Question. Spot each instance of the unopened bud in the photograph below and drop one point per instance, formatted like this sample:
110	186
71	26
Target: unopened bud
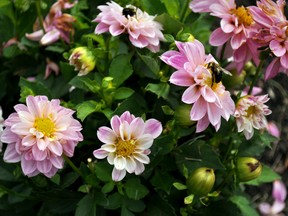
83	60
201	181
247	168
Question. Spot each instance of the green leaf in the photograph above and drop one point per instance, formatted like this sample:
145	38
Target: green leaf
32	88
21	192
244	205
85	83
68	179
86	108
120	69
135	190
197	153
179	186
4	3
56	49
56	179
103	171
86	206
153	7
123	93
135	205
108	187
267	175
162	180
170	25
172	7
161	89
22	5
151	63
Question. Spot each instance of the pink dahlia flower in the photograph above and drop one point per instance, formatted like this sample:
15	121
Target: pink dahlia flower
236	26
142	29
279	194
56	25
209	98
38	134
1	127
127	144
250	113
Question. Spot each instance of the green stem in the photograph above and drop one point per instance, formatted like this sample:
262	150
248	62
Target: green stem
38	9
256	76
72	165
184	11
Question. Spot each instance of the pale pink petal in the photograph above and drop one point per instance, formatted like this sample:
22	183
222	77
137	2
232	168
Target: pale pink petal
202	124
125	131
28	166
106	135
264	208
214	114
38	155
208	94
100	154
137	127
116	29
42	144
51	173
144	142
139	168
120	162
115	124
272	69
57	162
277	207
276	47
181	78
35	36
198	6
50	37
68	148
195	52
284	61
127	116
32	106
55	148
279	191
199	109
218	37
110	158
174	59
101	28
8	136
118	175
141	158
227	26
21	128
28	140
237	40
131	165
109	147
26	117
153	127
191	94
44	166
11	155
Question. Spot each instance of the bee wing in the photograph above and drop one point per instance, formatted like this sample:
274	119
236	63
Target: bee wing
226	71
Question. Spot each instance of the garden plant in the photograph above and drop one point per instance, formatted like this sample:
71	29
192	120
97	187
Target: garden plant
140	107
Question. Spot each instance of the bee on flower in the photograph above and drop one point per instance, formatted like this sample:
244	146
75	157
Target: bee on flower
143	30
202	75
39	134
127	144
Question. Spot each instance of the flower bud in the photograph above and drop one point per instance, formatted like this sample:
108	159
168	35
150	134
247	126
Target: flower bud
201	181
247	168
182	115
83	60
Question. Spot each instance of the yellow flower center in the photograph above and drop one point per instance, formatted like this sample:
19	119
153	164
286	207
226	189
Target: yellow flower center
243	15
45	126
125	147
251	110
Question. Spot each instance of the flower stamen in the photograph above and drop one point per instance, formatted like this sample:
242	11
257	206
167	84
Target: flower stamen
45	126
125	147
243	15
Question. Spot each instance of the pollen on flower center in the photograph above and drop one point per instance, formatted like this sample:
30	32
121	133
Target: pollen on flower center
243	15
125	147
250	111
45	126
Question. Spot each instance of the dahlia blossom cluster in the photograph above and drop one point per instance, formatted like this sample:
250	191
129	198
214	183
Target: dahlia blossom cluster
127	144
39	134
56	25
246	29
250	113
209	98
236	27
143	30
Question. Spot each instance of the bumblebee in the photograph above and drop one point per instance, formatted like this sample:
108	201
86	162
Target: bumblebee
217	72
128	11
